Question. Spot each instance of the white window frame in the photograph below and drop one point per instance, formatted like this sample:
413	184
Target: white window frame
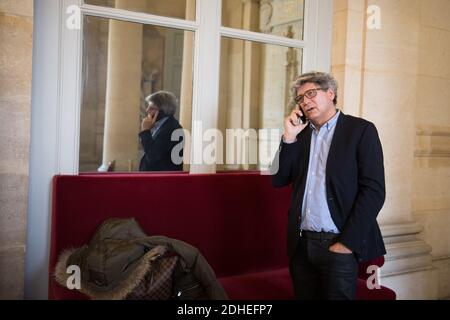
56	96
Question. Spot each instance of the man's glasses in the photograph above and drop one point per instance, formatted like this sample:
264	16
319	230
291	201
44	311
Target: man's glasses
311	93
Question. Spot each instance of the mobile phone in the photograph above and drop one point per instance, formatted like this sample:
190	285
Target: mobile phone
303	117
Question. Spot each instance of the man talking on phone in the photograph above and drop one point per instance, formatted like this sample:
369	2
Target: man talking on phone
156	134
335	163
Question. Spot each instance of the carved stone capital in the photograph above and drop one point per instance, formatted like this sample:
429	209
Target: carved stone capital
265	15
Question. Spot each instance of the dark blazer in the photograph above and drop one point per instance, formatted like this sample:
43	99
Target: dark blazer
355	188
158	151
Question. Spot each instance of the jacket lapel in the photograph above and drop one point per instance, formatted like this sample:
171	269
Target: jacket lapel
335	141
300	179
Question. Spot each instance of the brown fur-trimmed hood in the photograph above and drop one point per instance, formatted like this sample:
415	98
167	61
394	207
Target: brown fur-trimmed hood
119	256
123	288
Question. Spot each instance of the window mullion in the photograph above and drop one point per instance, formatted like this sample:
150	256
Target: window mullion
262	38
318	35
206	80
138	17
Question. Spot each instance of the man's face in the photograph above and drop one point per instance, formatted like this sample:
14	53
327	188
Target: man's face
151	109
318	107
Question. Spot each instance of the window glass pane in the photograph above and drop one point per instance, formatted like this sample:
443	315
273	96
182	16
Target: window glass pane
277	17
181	9
254	98
123	63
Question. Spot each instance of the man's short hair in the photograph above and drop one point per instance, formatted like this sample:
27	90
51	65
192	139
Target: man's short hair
164	101
322	79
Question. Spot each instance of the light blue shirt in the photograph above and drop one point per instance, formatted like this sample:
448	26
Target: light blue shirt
315	213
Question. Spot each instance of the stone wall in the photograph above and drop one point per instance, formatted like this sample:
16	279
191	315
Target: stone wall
397	76
16	36
431	170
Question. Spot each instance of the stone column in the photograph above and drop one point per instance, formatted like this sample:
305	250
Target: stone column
431	171
235	85
251	85
186	82
377	72
122	123
16	52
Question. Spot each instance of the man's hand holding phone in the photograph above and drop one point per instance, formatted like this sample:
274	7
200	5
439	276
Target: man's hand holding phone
149	121
293	125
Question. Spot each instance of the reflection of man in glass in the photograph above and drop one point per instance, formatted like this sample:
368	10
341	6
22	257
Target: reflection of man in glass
157	128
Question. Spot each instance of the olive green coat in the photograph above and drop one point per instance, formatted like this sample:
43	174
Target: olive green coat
120	254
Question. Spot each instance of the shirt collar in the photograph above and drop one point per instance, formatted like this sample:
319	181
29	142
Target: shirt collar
160	122
329	124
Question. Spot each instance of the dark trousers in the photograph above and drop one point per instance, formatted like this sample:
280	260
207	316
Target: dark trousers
318	273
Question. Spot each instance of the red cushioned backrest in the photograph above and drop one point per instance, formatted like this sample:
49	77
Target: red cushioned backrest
362	270
237	220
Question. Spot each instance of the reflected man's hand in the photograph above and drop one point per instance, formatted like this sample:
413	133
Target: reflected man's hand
148	122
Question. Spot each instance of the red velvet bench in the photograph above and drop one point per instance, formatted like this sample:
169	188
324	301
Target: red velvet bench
236	220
